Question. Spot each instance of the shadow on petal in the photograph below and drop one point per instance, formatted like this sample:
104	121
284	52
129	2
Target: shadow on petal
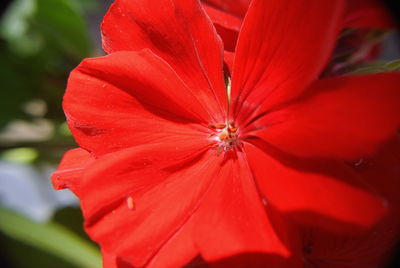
253	260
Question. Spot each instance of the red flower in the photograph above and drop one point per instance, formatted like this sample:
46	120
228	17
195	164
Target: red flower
227	16
172	167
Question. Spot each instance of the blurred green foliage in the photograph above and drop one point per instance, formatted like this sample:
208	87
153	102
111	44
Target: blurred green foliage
41	41
50	237
377	67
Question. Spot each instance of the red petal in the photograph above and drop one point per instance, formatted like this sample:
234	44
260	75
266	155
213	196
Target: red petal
368	14
282	48
227	26
232	220
71	168
369	250
132	98
346	118
373	248
324	194
176	30
137	201
181	245
234	7
384	164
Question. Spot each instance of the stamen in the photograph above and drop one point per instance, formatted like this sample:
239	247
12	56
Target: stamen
225	135
232	129
217	126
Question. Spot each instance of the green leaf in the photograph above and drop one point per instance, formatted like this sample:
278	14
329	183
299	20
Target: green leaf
393	65
20	155
89	5
62	22
15	21
15	28
376	67
50	237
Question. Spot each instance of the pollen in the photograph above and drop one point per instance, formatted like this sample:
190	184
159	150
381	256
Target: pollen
225	136
130	203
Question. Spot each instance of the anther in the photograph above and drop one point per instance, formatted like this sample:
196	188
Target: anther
225	135
232	129
220	126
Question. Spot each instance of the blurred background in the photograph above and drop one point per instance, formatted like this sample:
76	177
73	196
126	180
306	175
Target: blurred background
41	41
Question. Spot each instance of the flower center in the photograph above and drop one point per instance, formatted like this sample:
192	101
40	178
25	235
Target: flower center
225	135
